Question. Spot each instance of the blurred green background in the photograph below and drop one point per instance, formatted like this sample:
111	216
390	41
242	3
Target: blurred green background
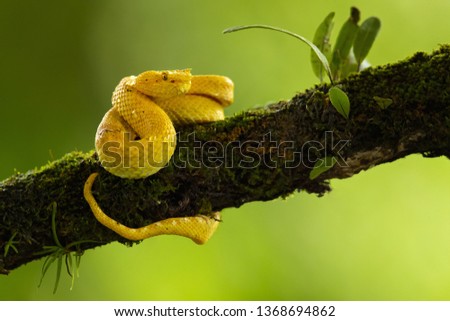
381	235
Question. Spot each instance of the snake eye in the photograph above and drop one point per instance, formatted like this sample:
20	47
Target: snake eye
165	76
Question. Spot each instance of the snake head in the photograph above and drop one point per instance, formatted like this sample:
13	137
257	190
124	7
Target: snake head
163	84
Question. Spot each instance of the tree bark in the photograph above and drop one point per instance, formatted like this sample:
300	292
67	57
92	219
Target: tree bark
258	155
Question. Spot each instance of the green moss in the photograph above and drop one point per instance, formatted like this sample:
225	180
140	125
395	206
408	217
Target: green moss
420	110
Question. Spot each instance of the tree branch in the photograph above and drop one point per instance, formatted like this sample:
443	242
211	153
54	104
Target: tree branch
260	154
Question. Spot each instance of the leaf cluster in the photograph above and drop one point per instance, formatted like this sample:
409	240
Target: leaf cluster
352	45
58	252
348	55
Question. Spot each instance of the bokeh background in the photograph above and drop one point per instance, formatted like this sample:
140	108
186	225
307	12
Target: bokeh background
381	235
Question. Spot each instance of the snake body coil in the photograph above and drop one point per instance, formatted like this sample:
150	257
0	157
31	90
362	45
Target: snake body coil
136	138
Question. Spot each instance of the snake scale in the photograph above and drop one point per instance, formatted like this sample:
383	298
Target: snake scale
146	109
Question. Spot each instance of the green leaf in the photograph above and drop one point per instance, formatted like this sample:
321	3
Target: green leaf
382	102
322	41
340	101
316	50
58	274
54	233
10	245
349	66
364	39
47	263
344	43
321	166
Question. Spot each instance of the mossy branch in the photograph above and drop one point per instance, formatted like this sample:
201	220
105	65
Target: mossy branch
258	155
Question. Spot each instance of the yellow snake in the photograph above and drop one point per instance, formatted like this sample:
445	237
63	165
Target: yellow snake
136	138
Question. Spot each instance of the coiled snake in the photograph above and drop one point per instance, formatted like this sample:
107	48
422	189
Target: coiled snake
146	109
